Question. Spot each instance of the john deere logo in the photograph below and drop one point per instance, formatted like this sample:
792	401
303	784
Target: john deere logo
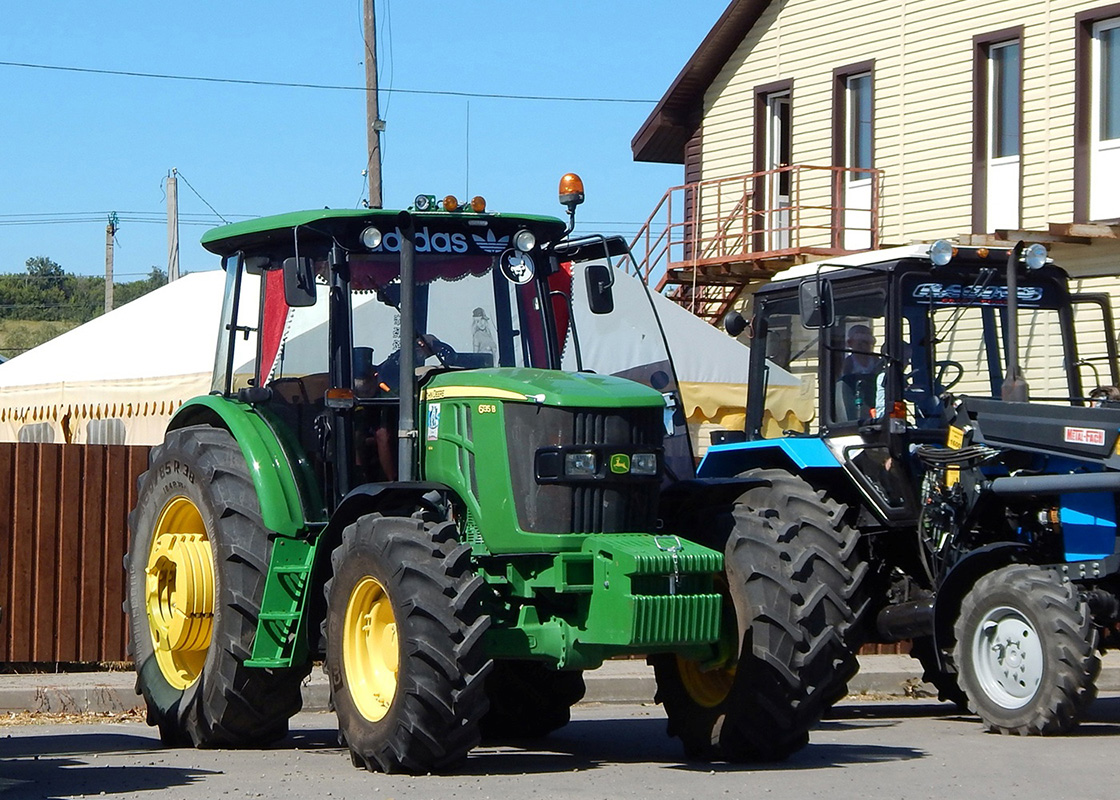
620	463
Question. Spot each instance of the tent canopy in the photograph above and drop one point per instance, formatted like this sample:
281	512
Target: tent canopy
120	377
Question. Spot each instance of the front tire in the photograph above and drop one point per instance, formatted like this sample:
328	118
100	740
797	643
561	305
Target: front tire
196	569
1026	651
404	645
795	602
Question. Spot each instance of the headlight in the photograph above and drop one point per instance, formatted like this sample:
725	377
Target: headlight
941	252
524	240
371	238
1035	256
580	464
643	464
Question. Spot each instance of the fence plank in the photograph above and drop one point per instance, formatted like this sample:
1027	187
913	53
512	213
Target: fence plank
69	555
7	496
24	532
45	558
116	534
93	554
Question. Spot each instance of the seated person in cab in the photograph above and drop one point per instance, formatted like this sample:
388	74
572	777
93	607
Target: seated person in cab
860	393
375	421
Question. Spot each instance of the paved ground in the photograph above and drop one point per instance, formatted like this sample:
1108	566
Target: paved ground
900	749
614	682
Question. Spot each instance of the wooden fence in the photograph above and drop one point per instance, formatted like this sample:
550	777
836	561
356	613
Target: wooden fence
63	535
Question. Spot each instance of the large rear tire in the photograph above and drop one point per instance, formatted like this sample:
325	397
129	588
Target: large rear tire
405	656
1027	651
795	605
196	569
529	700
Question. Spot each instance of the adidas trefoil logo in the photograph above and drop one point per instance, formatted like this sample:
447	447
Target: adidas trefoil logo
491	243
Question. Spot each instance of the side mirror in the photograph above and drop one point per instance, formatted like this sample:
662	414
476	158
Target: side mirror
734	323
299	282
814	300
599	295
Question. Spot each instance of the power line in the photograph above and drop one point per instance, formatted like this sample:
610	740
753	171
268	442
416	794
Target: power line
200	197
324	86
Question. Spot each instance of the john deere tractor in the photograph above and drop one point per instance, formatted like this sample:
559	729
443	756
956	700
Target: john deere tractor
937	409
419	463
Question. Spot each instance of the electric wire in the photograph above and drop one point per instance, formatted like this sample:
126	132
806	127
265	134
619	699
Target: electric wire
326	86
200	197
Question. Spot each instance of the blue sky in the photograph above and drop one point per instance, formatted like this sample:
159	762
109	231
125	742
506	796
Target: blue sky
83	145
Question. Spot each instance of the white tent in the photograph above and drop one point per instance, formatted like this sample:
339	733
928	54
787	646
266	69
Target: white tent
712	371
119	378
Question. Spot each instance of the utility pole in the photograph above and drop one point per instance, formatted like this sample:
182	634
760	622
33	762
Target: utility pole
172	226
374	123
110	232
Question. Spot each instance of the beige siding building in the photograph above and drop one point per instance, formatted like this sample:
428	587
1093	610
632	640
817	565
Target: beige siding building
813	127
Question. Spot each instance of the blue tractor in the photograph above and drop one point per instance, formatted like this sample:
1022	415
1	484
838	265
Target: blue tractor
955	434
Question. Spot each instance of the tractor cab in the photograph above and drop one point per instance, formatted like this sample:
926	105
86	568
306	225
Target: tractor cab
884	341
327	310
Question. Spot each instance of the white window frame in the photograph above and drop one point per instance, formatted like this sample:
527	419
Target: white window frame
857	186
1104	158
1004	173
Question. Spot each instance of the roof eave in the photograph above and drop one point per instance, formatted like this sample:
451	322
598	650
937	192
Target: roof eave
666	131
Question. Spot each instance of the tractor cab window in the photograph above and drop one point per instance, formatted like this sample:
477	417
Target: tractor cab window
790	370
857	359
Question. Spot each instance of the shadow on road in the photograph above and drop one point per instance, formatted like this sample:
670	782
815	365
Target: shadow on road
590	744
57	765
70	777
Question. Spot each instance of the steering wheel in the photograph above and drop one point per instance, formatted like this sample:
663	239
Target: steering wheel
943	367
388	372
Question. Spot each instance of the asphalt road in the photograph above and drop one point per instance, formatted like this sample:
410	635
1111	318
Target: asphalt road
903	749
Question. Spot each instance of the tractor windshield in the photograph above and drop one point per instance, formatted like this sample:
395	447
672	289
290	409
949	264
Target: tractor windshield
468	314
955	338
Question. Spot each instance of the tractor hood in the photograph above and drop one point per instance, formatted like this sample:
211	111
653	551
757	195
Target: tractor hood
542	387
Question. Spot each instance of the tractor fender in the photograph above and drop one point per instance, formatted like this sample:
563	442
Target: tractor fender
959	581
392	499
798	455
269	465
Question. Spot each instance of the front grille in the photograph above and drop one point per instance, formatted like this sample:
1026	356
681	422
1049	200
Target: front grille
612	504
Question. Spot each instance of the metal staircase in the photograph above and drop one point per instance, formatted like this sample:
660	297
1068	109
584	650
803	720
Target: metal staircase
706	243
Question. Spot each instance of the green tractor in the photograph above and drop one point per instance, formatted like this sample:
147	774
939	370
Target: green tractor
408	469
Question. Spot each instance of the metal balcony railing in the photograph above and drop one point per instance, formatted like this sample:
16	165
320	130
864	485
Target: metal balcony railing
706	241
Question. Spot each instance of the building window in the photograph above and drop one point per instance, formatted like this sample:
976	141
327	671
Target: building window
859	121
1096	154
998	131
1003	98
853	148
773	157
1104	199
1108	88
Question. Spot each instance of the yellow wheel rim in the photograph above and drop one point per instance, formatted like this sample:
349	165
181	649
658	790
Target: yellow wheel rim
179	587
370	653
707	687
